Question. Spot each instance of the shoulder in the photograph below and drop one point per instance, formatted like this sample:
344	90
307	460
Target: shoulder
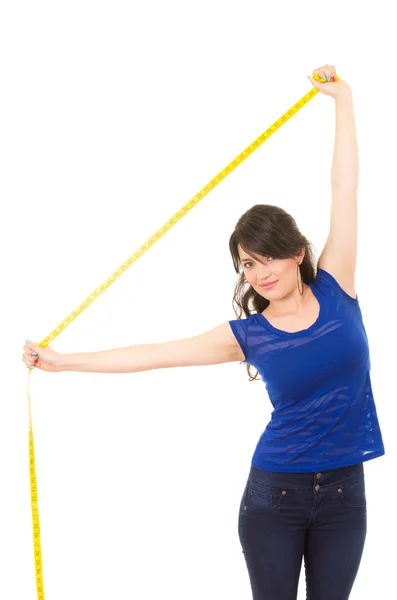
245	326
341	272
241	325
331	279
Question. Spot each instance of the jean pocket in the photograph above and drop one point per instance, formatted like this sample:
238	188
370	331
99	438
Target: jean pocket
353	494
262	497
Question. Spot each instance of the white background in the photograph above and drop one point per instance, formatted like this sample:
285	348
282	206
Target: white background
113	115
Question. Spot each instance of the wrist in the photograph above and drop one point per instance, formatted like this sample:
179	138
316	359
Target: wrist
64	362
345	95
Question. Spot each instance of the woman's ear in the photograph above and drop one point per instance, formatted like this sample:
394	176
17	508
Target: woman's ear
301	255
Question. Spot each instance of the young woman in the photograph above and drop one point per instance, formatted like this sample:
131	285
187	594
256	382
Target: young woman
303	331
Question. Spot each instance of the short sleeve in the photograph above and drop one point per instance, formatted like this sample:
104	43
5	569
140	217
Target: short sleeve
239	328
330	281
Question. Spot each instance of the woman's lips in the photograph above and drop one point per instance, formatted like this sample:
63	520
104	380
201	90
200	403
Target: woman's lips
269	285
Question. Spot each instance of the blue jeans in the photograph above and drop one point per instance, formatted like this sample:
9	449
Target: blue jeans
321	517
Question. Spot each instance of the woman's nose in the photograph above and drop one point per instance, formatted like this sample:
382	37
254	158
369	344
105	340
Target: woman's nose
263	278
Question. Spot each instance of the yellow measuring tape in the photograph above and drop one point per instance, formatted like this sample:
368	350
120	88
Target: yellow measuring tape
119	271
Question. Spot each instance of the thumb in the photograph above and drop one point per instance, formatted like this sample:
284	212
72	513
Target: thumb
33	346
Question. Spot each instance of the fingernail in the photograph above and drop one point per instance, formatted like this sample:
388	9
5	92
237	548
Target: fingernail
34	354
28	341
31	367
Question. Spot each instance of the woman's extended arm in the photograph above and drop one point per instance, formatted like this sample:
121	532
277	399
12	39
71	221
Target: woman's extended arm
218	345
344	172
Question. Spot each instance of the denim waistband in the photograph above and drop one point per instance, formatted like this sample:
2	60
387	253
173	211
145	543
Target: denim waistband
304	481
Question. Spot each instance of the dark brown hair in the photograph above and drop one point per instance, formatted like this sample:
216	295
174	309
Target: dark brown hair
266	230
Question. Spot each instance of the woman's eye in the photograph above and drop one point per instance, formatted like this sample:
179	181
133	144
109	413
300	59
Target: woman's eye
247	265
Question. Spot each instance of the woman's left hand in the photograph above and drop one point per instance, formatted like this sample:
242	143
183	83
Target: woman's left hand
330	87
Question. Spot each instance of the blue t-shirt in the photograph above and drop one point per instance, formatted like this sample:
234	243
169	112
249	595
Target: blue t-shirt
318	381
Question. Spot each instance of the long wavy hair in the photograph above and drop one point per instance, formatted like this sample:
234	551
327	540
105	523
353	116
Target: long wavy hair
266	230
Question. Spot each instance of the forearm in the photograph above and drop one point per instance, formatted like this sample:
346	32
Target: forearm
129	359
344	173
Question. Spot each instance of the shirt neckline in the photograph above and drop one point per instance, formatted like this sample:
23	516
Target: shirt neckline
302	332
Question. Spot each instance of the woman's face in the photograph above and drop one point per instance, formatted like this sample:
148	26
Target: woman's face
265	269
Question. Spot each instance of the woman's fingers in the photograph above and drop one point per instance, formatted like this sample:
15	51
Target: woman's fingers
28	359
44	359
326	72
28	356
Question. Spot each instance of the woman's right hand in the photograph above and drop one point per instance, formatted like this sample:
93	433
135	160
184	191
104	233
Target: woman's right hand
47	360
